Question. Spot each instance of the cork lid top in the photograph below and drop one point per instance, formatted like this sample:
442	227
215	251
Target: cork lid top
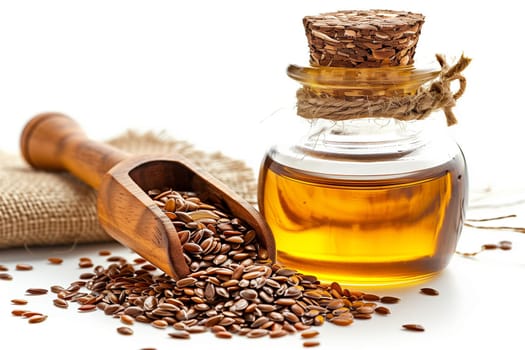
371	38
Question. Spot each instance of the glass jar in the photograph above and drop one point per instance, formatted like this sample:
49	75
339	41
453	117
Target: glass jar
372	200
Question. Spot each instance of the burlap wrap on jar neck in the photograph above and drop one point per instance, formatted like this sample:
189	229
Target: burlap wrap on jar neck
39	208
427	99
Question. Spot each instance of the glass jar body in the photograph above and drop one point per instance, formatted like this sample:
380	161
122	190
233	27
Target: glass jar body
372	201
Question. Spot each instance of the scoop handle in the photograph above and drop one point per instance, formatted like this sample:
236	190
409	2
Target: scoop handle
54	141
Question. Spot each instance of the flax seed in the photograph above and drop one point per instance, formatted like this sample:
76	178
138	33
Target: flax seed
311	344
24	267
382	310
125	330
18	312
37	318
389	300
414	327
60	303
429	291
55	260
36	291
309	334
180	335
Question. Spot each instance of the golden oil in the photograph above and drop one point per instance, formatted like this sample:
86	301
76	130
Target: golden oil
365	230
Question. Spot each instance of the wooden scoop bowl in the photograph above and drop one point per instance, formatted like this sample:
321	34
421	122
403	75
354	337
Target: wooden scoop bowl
55	142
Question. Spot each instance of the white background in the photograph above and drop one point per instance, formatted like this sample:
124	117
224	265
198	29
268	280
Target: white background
213	73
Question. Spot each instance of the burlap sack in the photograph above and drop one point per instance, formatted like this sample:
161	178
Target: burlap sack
40	208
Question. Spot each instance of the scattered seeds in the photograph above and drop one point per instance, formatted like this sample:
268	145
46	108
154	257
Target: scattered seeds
233	287
414	327
139	260
36	291
125	330
24	267
87	307
159	324
61	303
84	264
180	335
382	310
18	312
310	334
389	300
311	344
371	297
19	301
29	314
37	318
429	291
5	276
55	260
127	319
277	333
223	335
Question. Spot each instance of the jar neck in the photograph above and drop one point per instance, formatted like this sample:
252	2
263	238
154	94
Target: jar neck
365	137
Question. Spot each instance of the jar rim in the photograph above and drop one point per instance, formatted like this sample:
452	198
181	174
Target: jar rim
409	77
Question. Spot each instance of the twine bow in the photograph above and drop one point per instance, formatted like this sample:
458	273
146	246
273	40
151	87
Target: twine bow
437	95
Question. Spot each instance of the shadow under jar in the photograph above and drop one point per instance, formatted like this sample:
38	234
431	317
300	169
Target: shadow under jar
372	200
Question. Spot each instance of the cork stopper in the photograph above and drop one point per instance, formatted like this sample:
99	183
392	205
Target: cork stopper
363	39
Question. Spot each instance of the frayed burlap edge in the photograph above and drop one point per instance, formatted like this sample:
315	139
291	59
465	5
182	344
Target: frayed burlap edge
39	208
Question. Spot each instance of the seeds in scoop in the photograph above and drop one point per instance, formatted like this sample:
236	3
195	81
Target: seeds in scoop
186	282
18	301
429	291
414	327
24	267
125	330
149	267
55	260
139	261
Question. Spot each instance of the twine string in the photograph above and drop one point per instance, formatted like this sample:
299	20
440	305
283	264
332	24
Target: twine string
438	95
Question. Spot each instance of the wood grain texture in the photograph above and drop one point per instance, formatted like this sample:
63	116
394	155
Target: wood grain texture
55	142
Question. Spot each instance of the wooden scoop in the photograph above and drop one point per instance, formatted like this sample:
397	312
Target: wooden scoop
53	141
